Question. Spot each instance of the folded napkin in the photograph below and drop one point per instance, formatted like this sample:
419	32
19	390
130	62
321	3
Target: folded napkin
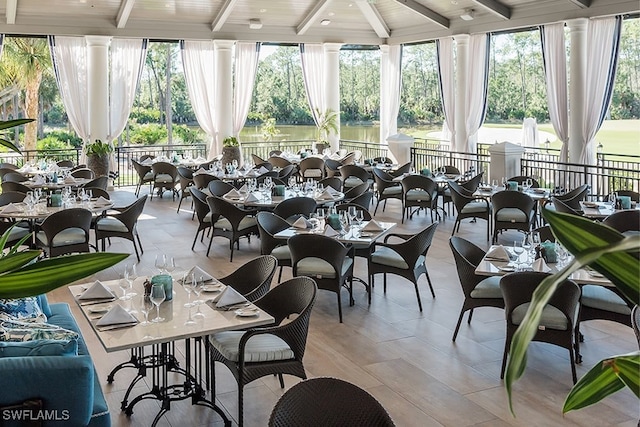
38	179
262	170
147	162
252	173
540	265
332	191
200	159
117	316
199	171
243	189
103	201
373	225
198	272
69	179
301	223
232	194
329	231
499	253
96	291
230	297
326	195
11	208
251	198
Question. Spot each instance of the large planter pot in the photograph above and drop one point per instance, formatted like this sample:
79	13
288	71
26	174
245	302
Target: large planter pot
99	164
229	154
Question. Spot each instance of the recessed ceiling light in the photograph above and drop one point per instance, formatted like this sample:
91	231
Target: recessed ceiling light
468	15
325	22
331	13
263	10
255	24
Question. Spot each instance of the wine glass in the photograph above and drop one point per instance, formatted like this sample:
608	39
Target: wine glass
517	250
352	212
561	251
196	287
157	297
359	217
612	200
123	283
528	184
494	184
145	307
186	284
527	246
161	263
170	265
132	273
503	181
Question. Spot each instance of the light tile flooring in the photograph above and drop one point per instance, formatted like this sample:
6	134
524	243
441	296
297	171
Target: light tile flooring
403	357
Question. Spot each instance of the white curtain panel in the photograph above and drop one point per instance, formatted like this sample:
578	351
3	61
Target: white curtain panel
1	44
446	77
390	84
476	90
247	55
312	57
199	72
554	56
603	38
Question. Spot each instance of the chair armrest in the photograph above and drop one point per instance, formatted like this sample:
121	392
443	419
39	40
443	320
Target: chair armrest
399	235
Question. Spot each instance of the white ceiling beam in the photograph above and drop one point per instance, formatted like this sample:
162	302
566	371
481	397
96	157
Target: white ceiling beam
583	4
311	17
372	16
123	13
12	9
426	12
498	9
222	17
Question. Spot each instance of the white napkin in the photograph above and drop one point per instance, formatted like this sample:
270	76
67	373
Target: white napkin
540	265
326	195
199	171
147	162
198	272
38	179
117	316
200	159
301	223
96	291
251	198
11	208
262	170
69	179
232	194
243	189
373	225
103	201
329	231
332	191
230	297
499	253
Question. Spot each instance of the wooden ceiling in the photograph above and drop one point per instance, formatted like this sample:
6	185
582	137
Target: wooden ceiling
349	21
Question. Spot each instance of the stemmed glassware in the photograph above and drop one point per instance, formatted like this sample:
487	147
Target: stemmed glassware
157	297
196	287
145	307
352	212
186	284
123	283
517	250
527	246
161	263
528	184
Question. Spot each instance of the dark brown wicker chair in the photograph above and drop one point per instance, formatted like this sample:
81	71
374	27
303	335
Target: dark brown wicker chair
20	229
574	197
295	207
353	176
65	164
326	260
10	166
14	186
291	300
185	177
268	225
278	162
333	182
203	214
266	165
623	221
234	222
14	177
385	188
253	278
145	175
202	180
418	192
382	160
96	192
257	159
401	170
331	168
122	224
559	320
165	178
468	206
99	182
312	167
285	173
324	401
65	232
219	188
479	291
363	199
406	258
635	196
560	206
6	170
512	210
522	179
348	159
84	173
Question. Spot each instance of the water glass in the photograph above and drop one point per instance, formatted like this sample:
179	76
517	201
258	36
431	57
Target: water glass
517	250
157	297
196	287
145	308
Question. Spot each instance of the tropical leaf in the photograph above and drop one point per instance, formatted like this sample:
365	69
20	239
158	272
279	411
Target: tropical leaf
8	125
14	261
604	379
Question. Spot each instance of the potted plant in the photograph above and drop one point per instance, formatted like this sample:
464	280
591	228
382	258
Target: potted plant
98	153
230	150
327	124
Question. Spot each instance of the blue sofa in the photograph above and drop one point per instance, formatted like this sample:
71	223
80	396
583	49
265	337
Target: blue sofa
67	385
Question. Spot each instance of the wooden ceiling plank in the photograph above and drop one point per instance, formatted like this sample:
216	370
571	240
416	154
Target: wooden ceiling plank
374	18
311	17
583	4
497	8
426	12
222	17
12	9
123	13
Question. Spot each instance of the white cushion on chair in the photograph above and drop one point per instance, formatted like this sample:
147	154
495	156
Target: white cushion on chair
163	177
387	256
510	215
246	222
475	207
313	173
418	196
352	181
281	252
260	348
552	318
319	268
599	297
488	288
70	236
111	224
396	189
17	233
148	175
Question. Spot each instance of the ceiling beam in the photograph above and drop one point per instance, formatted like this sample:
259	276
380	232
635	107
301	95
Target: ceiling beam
12	8
311	17
497	8
373	17
222	17
583	4
426	12
124	12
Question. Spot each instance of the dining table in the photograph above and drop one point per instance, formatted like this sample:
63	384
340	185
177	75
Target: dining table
601	210
173	375
259	200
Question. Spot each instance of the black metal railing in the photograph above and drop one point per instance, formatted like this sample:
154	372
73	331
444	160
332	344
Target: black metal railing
466	163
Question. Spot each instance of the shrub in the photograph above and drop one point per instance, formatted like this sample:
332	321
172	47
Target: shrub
148	134
188	135
65	135
144	115
51	142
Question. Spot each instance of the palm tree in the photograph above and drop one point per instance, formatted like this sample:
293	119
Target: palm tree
25	61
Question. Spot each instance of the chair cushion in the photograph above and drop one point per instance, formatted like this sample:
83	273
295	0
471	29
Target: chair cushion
260	348
70	236
246	222
510	215
11	330
418	196
39	348
163	177
319	268
352	181
488	288
387	256
599	297
148	176
474	207
312	173
17	233
111	224
281	252
396	189
552	318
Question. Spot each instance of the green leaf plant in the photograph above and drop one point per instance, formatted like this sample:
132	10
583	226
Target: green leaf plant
610	253
4	125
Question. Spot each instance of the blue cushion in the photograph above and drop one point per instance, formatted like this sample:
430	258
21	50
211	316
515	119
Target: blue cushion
39	348
44	305
23	309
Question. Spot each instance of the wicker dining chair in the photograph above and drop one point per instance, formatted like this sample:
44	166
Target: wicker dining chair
468	206
253	278
145	175
293	208
14	176
99	182
268	225
201	180
14	186
312	167
512	210
123	224
386	188
84	173
624	221
353	175
64	232
165	178
219	188
203	214
185	177
234	222
278	162
418	192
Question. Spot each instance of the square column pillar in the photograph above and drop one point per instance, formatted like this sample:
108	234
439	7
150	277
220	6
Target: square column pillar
223	94
332	86
98	86
505	160
400	147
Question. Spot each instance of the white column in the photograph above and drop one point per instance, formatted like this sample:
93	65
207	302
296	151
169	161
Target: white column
98	86
224	93
462	68
577	81
332	86
384	91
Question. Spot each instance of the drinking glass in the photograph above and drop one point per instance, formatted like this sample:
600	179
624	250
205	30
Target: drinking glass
161	263
529	183
352	212
612	200
123	283
562	253
170	265
504	182
359	217
517	250
494	184
196	287
234	163
527	245
186	284
145	307
157	297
